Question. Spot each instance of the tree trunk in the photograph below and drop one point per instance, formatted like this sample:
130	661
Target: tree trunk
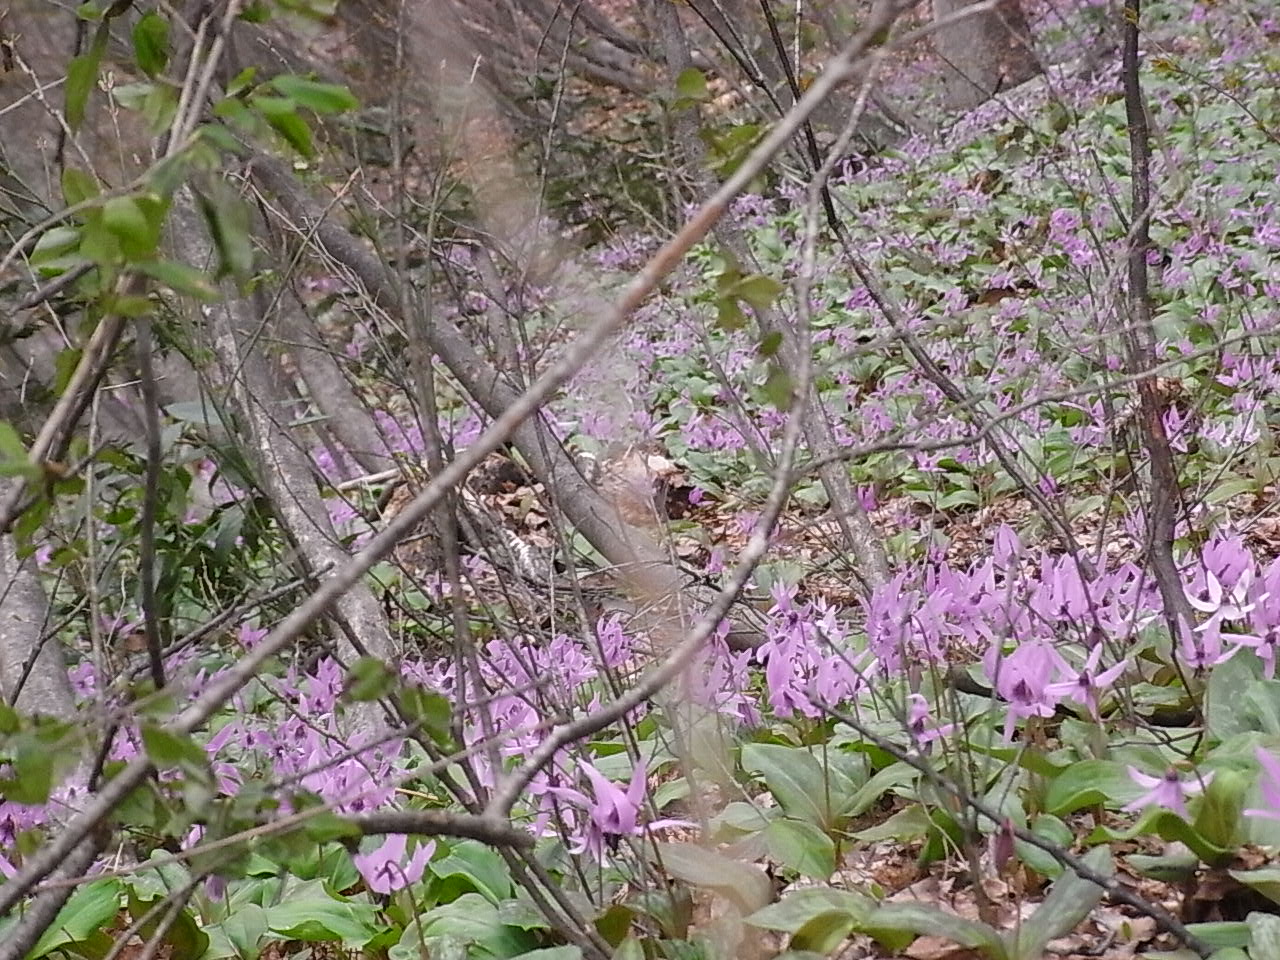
983	54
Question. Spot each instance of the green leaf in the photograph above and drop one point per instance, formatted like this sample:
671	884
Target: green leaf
1167	868
244	928
1168	826
88	911
82	78
177	751
907	824
282	114
32	780
151	43
241	81
432	711
1219	819
310	913
1265	880
769	344
320	97
1264	942
921	919
894	775
227	217
1239	700
472	920
744	883
180	278
795	779
368	679
1068	902
1222	934
758	290
1088	783
480	866
802	847
692	85
55	243
126	220
798	907
10	722
729	315
778	388
77	186
11	445
821	935
552	953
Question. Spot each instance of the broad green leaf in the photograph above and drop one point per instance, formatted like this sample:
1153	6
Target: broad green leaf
1168	826
88	911
77	186
744	883
241	81
11	445
228	220
1068	902
922	919
55	243
821	935
692	84
1239	700
910	823
432	711
1220	817
245	927
552	953
796	780
180	278
778	388
758	290
1264	942
1222	934
1051	828
82	78
125	219
1265	880
32	780
368	679
282	114
894	775
314	95
797	907
1167	868
151	43
802	847
525	915
310	913
167	749
1088	783
473	920
481	866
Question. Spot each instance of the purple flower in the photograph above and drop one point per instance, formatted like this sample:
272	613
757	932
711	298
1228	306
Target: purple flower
1083	687
385	869
1023	679
1270	786
1167	791
920	725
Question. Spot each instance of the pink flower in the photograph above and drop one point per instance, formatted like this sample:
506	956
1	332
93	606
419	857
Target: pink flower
1167	791
1270	785
1023	679
1084	686
385	870
922	727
